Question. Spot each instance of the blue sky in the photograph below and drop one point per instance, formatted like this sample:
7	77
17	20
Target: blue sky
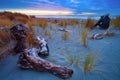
67	7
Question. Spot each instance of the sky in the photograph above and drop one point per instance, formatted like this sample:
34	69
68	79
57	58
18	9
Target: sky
62	7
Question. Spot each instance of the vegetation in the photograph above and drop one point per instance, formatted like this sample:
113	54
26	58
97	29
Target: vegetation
116	22
73	60
89	62
65	35
47	33
5	38
31	40
70	58
42	23
84	37
89	23
5	22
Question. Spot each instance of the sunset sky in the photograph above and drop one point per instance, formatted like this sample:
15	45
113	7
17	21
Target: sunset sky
62	7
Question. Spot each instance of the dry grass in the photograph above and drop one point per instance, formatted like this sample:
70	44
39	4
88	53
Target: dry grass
5	22
50	25
73	22
89	63
62	22
116	22
42	23
5	38
73	60
77	61
48	33
70	22
89	23
84	37
30	24
65	35
15	17
31	41
69	58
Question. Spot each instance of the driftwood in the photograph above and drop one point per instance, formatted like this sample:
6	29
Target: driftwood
29	58
19	32
27	61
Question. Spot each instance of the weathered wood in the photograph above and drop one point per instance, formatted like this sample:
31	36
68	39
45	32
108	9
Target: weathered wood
27	61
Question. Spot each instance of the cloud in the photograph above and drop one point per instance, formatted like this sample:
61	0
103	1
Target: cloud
74	1
40	12
87	13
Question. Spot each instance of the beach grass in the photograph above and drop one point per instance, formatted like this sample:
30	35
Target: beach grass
89	62
69	58
48	33
116	22
5	39
42	23
5	22
31	40
77	61
84	37
65	35
89	23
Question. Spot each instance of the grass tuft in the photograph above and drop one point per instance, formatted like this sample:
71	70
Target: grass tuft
47	33
5	38
65	35
89	63
42	23
70	58
116	22
84	37
89	23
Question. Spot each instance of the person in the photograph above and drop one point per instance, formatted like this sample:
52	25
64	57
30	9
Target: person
103	22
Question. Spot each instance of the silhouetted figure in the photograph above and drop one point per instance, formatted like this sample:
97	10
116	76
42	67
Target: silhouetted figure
103	22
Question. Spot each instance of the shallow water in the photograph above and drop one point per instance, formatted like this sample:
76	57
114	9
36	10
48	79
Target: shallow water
107	59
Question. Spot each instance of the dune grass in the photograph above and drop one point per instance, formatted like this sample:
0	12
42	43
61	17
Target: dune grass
48	33
89	23
73	22
77	61
84	37
73	60
116	22
62	22
65	35
89	62
5	22
5	38
31	40
69	58
50	25
42	23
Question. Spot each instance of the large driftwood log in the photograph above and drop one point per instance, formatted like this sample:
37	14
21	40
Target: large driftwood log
26	61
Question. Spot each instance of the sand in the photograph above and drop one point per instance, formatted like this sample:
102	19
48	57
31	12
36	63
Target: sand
107	65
